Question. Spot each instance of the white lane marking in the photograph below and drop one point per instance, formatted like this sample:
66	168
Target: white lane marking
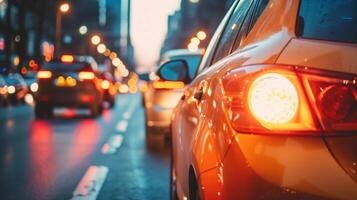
122	125
91	183
112	145
131	108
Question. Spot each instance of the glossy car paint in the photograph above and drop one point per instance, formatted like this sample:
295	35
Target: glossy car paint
231	165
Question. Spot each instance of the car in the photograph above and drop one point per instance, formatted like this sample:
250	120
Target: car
70	82
161	96
16	88
3	92
272	111
109	87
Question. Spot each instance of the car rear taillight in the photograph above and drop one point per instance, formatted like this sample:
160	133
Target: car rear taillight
86	76
44	74
67	58
168	84
268	99
290	100
334	99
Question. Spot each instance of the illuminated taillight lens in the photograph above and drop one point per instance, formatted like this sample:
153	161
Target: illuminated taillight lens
67	58
86	76
290	100
268	99
168	84
334	98
272	98
44	74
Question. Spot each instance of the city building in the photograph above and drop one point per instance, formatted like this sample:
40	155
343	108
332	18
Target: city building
194	16
21	33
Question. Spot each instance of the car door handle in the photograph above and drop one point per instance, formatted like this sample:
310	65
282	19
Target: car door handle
199	94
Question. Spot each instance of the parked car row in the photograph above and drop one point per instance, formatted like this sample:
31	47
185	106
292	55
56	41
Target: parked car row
271	112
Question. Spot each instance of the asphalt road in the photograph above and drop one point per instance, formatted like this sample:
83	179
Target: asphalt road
75	157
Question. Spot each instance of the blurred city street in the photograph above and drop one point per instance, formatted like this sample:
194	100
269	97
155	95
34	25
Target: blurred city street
47	159
178	99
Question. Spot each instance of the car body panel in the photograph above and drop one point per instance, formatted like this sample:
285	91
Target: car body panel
344	150
314	53
233	165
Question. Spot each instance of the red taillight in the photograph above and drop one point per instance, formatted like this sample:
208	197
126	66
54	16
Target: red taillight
87	98
168	84
44	74
334	99
67	58
86	76
264	99
283	99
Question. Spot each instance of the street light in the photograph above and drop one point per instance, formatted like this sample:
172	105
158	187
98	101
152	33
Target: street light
83	30
95	39
63	9
101	48
201	35
195	41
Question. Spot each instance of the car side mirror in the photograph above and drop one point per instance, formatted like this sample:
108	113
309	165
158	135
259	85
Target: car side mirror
175	70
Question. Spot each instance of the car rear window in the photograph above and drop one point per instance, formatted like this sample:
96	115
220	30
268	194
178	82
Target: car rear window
66	67
331	20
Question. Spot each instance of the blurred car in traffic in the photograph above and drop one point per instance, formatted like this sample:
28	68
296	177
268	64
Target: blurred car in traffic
272	113
4	101
16	88
70	82
109	87
161	96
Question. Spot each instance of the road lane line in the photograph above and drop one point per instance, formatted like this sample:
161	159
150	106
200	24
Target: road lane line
131	108
112	145
122	125
91	183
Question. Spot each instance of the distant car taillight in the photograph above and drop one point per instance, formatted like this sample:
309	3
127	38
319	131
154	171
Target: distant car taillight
168	84
334	99
86	76
44	74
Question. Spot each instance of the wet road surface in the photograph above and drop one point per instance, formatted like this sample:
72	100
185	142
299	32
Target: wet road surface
74	156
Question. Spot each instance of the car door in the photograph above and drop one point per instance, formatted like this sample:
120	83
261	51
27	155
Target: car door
185	117
194	106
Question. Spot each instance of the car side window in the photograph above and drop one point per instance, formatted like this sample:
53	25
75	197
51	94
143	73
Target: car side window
207	57
233	27
254	15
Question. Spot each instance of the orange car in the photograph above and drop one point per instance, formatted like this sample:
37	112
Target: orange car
272	113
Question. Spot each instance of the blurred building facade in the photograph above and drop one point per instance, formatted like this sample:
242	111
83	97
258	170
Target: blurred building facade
194	16
107	18
27	30
22	25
